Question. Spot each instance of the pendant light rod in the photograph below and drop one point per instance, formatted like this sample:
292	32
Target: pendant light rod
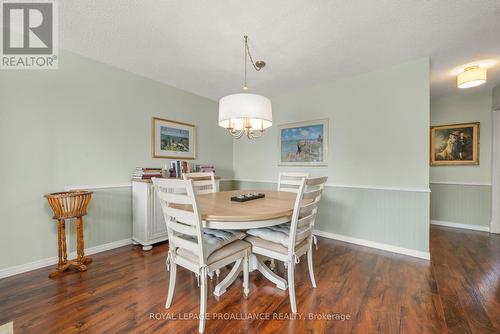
258	65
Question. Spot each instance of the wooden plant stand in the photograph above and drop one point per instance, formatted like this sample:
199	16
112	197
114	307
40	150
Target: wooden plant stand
68	205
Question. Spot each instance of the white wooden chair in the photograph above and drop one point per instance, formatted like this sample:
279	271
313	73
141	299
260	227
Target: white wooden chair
187	244
300	234
206	186
290	181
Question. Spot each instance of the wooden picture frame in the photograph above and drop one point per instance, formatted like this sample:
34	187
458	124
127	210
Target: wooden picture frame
454	144
303	143
173	140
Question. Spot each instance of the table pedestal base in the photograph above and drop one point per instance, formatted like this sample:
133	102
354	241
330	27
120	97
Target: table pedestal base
256	263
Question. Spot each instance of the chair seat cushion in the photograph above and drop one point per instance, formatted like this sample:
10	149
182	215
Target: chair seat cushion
273	246
222	253
215	239
280	233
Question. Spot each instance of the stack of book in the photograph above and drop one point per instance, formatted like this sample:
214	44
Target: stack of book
144	173
180	166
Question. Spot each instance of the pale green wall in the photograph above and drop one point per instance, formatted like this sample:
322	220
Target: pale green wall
465	107
86	123
378	129
469	200
379	125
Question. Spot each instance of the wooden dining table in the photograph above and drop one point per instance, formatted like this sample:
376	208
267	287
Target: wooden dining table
219	212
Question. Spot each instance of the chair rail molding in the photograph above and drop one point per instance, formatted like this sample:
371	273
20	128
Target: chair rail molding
462	183
358	186
97	186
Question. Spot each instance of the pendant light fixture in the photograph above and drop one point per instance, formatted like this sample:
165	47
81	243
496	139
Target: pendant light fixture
244	113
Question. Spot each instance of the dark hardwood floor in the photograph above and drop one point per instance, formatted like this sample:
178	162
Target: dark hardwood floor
124	291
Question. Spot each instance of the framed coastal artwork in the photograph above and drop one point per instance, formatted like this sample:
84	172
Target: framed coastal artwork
173	140
455	144
303	143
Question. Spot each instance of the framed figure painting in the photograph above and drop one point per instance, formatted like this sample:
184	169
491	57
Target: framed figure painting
303	143
455	144
173	140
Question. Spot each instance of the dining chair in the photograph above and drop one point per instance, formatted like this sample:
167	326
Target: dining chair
189	246
206	185
290	181
288	242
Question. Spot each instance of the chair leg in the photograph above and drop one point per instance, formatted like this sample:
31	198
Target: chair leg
203	301
171	284
291	286
310	265
211	275
246	290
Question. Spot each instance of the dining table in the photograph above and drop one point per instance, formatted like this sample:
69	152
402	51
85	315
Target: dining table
218	211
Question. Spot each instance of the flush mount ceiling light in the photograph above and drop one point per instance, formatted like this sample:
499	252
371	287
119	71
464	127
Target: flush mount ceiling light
472	76
244	113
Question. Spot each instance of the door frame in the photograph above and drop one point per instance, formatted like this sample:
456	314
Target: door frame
495	177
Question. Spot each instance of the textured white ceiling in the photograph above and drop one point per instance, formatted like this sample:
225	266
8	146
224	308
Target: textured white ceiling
196	45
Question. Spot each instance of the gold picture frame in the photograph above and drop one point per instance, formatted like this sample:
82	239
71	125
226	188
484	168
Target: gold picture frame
454	144
172	139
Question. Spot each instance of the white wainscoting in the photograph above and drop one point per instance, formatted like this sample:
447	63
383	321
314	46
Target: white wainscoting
53	260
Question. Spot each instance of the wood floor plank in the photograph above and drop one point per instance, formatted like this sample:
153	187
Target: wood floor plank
124	291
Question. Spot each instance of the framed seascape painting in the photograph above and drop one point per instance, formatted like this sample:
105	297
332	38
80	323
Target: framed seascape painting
304	143
455	144
173	140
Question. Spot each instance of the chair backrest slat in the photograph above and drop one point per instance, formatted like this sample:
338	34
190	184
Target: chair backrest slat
183	229
182	217
174	198
312	194
305	209
317	181
307	220
204	183
290	181
185	244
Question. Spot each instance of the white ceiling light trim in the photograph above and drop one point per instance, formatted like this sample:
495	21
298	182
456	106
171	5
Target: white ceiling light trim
472	76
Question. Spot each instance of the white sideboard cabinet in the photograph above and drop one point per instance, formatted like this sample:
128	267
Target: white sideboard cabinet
148	226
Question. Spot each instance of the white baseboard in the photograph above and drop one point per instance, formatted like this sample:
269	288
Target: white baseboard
22	268
373	244
459	225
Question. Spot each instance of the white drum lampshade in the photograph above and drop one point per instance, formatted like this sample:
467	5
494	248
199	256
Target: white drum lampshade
472	76
252	112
